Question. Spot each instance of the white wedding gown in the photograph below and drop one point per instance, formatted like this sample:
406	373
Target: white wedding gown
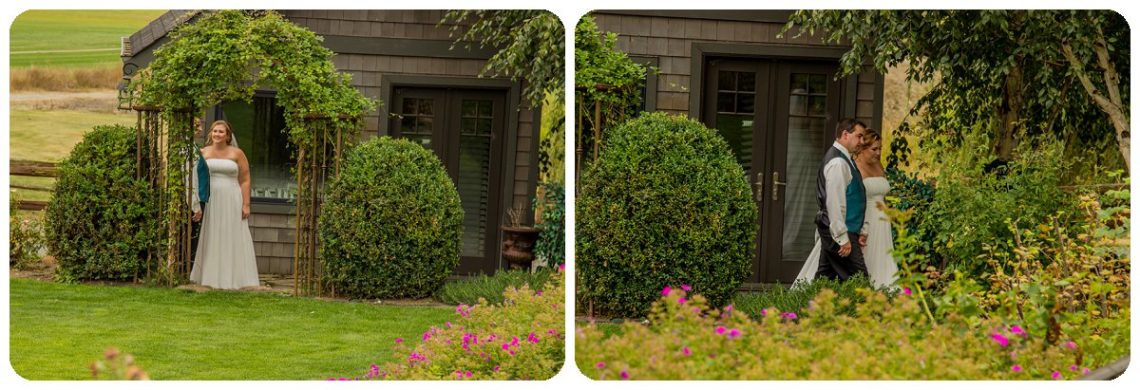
881	267
225	257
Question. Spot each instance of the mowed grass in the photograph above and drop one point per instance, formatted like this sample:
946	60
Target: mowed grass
57	330
54	37
50	135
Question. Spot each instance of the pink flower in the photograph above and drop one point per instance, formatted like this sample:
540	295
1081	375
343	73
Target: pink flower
467	374
665	291
427	336
1070	344
514	341
1056	375
721	330
600	365
728	309
734	333
906	291
681	300
1017	330
686	287
624	374
763	312
789	315
496	368
448	323
506	347
561	267
1085	371
399	340
1073	367
1000	339
532	338
685	351
1015	368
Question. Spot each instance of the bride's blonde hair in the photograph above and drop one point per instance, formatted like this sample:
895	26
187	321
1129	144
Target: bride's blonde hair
229	132
869	137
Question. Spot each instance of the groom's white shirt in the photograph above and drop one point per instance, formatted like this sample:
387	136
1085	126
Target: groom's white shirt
838	175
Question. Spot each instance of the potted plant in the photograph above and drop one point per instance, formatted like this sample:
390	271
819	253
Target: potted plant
518	240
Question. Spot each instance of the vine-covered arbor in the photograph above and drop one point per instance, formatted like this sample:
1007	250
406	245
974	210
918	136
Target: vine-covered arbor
228	55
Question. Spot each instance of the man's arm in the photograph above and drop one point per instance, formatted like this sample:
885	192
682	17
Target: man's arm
837	175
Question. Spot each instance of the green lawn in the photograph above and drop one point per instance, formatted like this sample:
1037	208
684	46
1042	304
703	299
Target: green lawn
57	330
55	37
50	135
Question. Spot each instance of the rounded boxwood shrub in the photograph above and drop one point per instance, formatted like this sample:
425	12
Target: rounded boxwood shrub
390	223
666	204
100	219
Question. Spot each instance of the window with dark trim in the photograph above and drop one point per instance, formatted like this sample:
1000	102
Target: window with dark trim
259	127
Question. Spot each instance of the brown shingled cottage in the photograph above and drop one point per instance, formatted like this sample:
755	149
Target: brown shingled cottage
774	99
406	60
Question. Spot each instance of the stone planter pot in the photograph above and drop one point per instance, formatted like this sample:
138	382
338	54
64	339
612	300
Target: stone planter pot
518	246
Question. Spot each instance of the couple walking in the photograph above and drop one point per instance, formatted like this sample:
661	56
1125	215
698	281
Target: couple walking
853	236
224	257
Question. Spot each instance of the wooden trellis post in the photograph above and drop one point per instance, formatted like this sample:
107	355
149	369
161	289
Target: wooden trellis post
164	151
313	166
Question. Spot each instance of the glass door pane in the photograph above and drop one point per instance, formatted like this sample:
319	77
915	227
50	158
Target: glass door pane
474	178
806	144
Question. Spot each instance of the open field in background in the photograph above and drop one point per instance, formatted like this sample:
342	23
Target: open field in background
91	77
57	330
73	38
50	135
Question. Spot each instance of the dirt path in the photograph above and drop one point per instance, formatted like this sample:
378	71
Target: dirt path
97	100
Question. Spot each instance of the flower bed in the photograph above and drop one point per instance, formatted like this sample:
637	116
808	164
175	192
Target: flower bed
885	339
521	338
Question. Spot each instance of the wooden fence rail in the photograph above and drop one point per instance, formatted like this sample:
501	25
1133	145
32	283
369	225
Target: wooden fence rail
32	169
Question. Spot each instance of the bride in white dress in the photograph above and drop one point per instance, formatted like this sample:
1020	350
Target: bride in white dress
881	267
225	257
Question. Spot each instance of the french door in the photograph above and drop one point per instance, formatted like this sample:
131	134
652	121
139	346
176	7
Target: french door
778	117
465	129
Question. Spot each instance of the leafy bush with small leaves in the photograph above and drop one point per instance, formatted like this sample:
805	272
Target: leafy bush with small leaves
971	207
490	288
25	235
551	244
887	338
391	222
666	203
521	338
100	219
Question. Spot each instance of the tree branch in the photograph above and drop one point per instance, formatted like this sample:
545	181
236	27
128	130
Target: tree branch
1079	69
1111	78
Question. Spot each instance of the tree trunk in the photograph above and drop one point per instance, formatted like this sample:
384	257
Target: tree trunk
1010	113
1112	104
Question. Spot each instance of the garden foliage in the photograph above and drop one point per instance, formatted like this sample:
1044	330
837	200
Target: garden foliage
100	219
551	244
685	339
521	338
25	236
665	203
796	299
390	223
490	287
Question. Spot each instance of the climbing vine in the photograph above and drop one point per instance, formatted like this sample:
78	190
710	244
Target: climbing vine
228	55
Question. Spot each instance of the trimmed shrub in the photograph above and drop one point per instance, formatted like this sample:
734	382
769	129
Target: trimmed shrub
391	222
666	203
100	219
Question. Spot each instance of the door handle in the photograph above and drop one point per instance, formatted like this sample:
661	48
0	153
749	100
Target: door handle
776	183
760	187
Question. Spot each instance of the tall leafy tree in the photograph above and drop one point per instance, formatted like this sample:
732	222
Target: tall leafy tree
1064	73
531	46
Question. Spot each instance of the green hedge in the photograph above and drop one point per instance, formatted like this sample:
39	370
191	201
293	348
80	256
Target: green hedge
665	204
391	222
100	219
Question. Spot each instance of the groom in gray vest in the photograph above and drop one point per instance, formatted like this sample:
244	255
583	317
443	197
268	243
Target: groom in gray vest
842	204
